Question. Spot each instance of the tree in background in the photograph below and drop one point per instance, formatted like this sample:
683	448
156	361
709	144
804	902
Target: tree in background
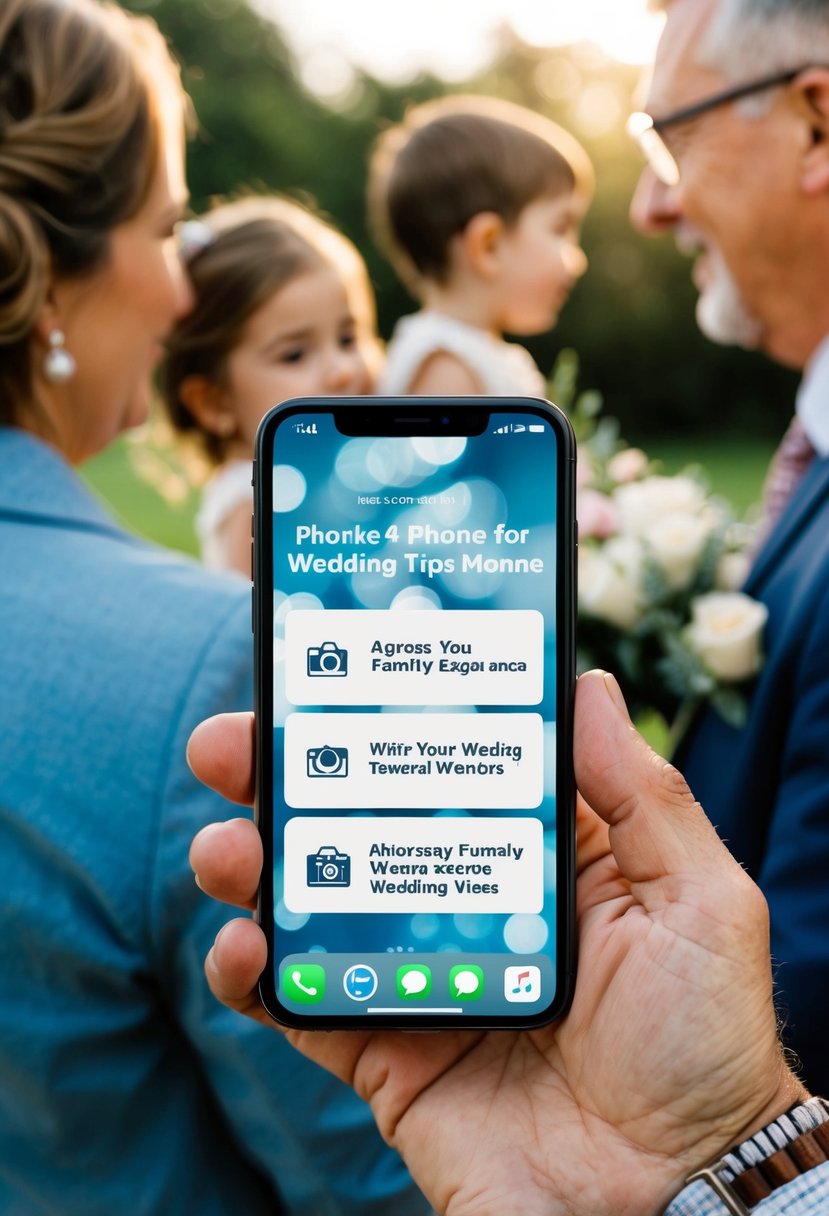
631	318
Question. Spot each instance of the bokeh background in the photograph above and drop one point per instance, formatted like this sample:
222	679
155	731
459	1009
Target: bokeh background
289	96
478	477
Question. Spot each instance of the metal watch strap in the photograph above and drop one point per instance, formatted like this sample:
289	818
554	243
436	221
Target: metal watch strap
782	1151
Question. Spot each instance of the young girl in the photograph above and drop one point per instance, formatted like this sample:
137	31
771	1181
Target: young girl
479	205
283	308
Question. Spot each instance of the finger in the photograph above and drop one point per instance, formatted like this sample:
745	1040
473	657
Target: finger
221	754
227	861
656	827
592	836
233	966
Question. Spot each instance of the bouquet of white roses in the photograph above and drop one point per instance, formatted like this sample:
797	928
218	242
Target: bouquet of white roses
660	563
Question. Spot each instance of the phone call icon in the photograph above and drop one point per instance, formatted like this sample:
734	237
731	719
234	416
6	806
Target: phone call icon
304	983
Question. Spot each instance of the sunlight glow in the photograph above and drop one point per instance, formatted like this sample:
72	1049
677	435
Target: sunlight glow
452	40
623	29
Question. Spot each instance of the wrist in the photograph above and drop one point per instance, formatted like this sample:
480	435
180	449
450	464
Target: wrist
790	1091
770	1100
782	1153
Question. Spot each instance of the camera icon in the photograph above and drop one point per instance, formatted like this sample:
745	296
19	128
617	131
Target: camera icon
328	868
327	660
327	761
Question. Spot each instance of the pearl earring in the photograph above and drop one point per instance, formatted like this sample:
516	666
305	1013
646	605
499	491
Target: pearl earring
58	364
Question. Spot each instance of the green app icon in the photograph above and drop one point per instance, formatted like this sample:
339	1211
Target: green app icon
414	982
303	983
466	982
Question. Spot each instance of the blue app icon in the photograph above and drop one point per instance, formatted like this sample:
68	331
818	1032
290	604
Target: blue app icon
360	982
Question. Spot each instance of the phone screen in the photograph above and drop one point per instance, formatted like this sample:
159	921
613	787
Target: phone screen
414	622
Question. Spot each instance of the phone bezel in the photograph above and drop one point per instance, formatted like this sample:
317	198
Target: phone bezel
394	415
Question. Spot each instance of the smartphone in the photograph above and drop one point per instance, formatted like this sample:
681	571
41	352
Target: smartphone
414	583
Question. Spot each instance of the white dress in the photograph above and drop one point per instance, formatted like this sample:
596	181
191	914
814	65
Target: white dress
503	369
228	486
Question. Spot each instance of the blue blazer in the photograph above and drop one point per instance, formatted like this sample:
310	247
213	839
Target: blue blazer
766	787
122	1081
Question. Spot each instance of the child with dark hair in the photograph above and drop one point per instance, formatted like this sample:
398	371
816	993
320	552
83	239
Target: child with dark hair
283	308
478	203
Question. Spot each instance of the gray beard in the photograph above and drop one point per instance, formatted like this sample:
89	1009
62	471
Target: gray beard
723	317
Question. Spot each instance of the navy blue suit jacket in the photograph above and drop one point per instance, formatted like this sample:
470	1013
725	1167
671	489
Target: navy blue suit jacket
766	787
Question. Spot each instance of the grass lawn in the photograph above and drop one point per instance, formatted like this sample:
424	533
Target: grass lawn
150	493
734	466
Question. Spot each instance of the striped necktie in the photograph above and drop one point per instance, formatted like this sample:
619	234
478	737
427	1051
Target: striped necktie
789	463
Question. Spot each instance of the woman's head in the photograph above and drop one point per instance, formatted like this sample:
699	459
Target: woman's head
91	184
283	308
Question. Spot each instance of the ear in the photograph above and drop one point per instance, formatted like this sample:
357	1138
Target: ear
814	88
481	240
48	319
207	402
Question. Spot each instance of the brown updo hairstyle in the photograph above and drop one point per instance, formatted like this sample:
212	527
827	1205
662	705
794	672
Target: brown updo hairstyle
240	254
84	89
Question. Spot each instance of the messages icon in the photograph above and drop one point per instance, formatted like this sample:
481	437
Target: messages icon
414	982
466	982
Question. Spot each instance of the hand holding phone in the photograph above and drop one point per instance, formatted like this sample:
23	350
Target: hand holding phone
414	609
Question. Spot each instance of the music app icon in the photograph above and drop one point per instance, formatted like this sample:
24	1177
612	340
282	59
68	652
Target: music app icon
522	984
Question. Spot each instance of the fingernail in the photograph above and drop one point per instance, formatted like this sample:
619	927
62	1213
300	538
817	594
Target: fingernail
615	694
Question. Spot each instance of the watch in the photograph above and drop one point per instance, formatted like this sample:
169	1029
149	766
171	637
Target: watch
784	1149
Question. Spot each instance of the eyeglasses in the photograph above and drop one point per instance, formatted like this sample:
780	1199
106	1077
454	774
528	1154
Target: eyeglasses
647	131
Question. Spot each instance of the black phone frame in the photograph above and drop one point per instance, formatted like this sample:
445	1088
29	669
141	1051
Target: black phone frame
384	416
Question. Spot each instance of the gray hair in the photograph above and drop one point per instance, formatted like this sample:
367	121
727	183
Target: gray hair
751	38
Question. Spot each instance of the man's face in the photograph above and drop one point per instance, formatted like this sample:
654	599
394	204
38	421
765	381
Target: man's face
730	207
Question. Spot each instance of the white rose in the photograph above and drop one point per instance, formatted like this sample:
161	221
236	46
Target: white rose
610	582
725	632
731	572
627	465
676	542
642	502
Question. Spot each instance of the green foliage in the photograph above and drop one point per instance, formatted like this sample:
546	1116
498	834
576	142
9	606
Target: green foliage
731	705
682	671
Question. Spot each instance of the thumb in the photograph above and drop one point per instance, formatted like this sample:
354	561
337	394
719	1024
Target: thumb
656	828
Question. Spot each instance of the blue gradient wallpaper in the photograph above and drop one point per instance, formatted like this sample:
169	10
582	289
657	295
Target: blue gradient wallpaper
414	718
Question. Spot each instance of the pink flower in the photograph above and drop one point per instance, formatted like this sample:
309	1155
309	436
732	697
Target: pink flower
627	465
597	514
584	469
